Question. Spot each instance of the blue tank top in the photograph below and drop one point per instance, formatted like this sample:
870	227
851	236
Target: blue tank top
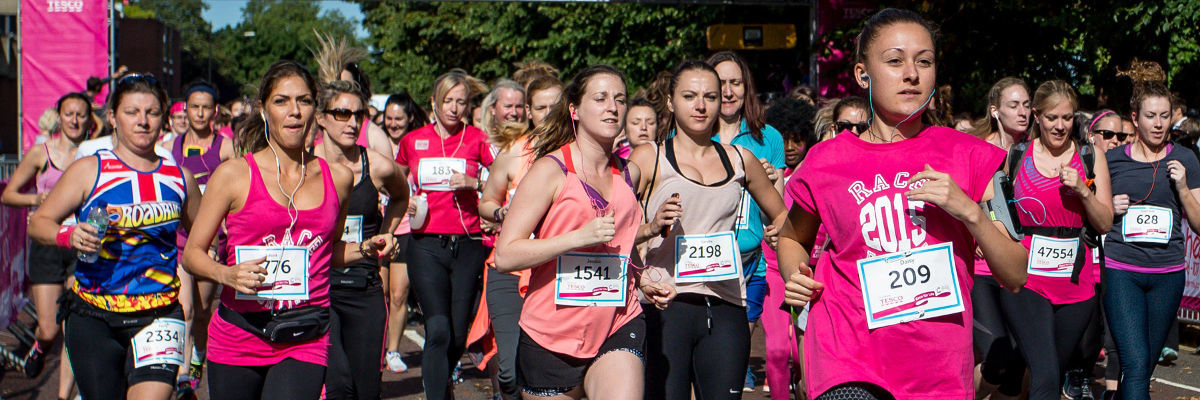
136	267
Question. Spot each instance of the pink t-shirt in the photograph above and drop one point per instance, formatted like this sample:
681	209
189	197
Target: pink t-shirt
1044	201
450	212
850	185
262	222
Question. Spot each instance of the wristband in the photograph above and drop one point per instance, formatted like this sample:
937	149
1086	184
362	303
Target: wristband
363	251
496	214
63	238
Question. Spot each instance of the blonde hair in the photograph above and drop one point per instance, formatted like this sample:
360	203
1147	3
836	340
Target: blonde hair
530	70
823	123
48	122
489	118
1048	95
333	55
507	134
1149	80
448	81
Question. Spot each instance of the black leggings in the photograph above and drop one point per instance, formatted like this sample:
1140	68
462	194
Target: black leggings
102	356
1046	334
1002	364
1088	351
357	324
504	308
856	391
289	379
445	276
683	352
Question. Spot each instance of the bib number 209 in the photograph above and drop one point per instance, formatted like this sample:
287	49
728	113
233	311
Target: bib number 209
909	276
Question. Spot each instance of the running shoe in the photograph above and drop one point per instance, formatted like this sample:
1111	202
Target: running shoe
395	363
195	372
1108	395
1073	384
184	388
750	384
456	375
1167	356
34	360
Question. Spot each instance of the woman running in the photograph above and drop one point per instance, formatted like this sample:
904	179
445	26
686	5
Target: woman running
269	338
1059	188
1105	130
895	278
582	332
356	291
543	93
49	266
401	115
1155	183
446	254
641	126
1007	118
124	326
702	339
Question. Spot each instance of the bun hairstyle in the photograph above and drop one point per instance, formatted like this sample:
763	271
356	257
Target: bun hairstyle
558	129
985	125
532	70
1048	95
752	108
882	19
253	135
1149	80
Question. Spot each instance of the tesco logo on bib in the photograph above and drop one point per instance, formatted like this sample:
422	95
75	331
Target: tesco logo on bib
61	6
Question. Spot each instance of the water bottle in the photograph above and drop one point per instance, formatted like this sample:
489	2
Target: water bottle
418	219
97	217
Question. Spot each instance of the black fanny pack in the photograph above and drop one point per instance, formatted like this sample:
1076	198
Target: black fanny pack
70	302
354	278
286	326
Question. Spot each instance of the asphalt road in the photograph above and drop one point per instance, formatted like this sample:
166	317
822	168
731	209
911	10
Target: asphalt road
1180	380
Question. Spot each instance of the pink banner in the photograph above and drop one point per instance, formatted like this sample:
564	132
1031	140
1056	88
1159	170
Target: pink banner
835	60
1191	289
63	42
12	262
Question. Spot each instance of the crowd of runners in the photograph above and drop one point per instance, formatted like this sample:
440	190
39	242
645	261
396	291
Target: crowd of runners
579	239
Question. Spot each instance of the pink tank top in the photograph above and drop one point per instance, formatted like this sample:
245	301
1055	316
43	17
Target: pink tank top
1044	201
579	331
262	222
50	175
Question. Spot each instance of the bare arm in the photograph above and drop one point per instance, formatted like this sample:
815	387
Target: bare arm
1097	204
66	197
496	187
1191	206
26	172
387	173
764	191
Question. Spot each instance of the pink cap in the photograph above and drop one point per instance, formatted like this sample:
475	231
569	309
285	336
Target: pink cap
178	107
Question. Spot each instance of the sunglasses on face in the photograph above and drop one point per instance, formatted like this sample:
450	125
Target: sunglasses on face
343	115
858	128
1108	135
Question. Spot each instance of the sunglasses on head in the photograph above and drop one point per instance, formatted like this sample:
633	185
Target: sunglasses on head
343	115
133	78
858	128
1107	134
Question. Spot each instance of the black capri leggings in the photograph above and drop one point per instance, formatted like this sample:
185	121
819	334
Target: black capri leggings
356	330
445	275
101	354
1046	334
683	351
1002	364
290	379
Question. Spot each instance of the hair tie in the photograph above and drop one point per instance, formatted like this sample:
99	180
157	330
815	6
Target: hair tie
1097	119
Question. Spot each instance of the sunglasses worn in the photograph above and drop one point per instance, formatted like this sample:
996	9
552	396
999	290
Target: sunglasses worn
343	115
858	128
1121	136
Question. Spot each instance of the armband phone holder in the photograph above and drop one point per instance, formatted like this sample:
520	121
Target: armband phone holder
1001	207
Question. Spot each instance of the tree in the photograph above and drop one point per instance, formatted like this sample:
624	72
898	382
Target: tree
415	42
283	30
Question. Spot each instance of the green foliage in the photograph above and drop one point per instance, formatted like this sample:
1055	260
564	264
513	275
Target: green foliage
283	30
415	42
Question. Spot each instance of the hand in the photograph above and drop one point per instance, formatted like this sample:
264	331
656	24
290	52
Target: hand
40	198
1121	203
381	244
85	238
502	212
658	293
597	231
800	288
771	235
1069	177
940	189
666	215
1178	175
245	277
460	181
489	227
772	173
412	209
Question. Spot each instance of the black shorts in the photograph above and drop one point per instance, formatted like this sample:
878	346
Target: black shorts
401	253
50	264
99	344
542	372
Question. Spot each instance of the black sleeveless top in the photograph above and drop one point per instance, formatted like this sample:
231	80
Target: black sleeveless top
363	206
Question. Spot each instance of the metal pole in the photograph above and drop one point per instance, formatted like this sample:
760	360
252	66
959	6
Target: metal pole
112	41
814	72
20	92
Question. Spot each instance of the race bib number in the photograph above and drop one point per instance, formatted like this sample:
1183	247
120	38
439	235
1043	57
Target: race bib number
910	285
590	279
161	342
1052	257
434	173
706	258
287	271
743	219
1147	224
352	230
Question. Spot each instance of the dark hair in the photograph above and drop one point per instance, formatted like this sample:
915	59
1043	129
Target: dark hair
656	92
94	84
360	77
539	84
406	102
77	96
203	86
803	91
692	65
848	102
794	119
752	108
1148	81
885	18
557	129
138	83
253	135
